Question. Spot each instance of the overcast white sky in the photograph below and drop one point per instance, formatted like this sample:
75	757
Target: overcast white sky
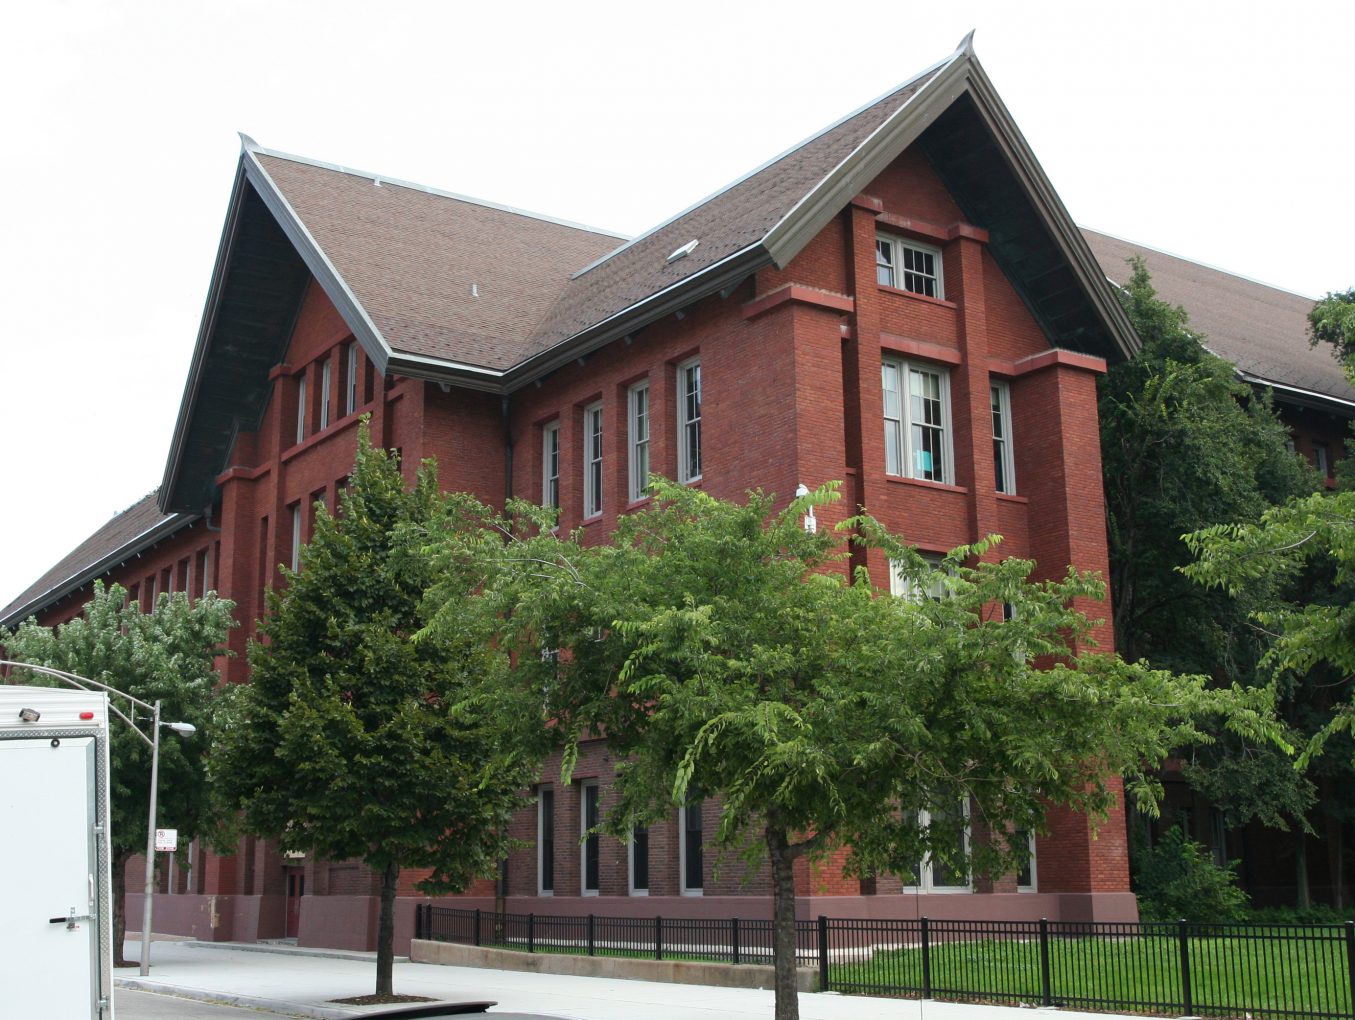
1216	131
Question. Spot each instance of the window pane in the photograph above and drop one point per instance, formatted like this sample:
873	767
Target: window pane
547	840
691	836
639	858
590	846
689	422
893	415
884	262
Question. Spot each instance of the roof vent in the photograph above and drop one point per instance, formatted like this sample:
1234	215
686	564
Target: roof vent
684	251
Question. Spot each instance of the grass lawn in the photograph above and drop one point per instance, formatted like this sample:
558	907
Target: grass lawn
1229	975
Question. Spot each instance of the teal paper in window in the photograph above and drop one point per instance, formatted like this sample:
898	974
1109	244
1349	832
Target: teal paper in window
924	462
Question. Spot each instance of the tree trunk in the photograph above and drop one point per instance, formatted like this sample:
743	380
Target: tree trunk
120	907
1304	898
385	931
783	922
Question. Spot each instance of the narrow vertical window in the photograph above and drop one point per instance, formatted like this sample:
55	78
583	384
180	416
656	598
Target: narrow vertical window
545	842
324	394
588	820
301	407
1320	460
1004	467
1025	877
296	536
639	861
693	870
884	262
639	440
894	424
689	421
550	465
351	387
592	460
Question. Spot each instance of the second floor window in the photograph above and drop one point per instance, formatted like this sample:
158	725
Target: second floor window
301	407
550	465
689	421
592	460
1004	469
639	440
324	394
917	421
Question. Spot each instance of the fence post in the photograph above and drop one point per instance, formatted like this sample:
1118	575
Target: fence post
1183	939
475	928
1350	960
1046	992
926	959
590	934
734	939
658	937
823	953
531	933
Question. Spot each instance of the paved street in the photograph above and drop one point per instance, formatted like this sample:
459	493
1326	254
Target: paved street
133	1005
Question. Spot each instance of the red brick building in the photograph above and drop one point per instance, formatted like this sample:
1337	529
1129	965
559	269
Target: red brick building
900	302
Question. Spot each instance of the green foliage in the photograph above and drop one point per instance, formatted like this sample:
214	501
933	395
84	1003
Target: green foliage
1316	633
1177	878
165	655
357	740
1332	321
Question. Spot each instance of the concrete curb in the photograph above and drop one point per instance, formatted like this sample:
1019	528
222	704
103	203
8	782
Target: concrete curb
685	972
138	984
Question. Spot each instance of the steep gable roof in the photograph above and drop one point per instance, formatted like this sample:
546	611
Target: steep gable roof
138	527
441	287
1262	330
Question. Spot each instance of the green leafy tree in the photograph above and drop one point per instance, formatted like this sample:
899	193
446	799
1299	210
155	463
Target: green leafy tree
1178	879
1185	445
725	652
1332	321
356	741
166	655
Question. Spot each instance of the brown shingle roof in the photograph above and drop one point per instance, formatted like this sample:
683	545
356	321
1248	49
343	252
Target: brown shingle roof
725	223
118	537
1261	329
411	257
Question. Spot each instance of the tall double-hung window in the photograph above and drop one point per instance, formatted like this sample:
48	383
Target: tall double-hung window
638	421
324	393
908	266
689	420
917	421
550	465
592	460
301	407
1004	466
350	403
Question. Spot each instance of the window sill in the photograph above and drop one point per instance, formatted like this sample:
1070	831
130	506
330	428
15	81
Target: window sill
1011	497
636	504
334	428
639	892
884	288
923	483
693	892
589	892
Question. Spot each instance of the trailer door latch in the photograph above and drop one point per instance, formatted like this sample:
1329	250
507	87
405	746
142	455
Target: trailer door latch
70	919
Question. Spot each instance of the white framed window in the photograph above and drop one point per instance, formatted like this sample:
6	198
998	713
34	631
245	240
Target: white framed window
639	861
689	420
933	874
324	394
903	586
550	465
1027	879
350	354
592	460
917	421
1004	463
301	407
908	265
589	851
545	842
692	863
296	536
637	415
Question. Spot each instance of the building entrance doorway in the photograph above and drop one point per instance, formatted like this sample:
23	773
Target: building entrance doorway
296	888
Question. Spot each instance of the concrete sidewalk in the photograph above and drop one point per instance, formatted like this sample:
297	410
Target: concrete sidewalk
303	982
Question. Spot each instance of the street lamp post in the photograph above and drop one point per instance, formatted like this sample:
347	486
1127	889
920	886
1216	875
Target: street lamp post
177	727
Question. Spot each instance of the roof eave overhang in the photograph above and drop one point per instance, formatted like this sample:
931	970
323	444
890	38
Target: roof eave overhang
148	538
203	344
714	279
1291	394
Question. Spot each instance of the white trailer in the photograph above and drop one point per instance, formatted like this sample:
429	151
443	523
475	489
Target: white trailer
56	924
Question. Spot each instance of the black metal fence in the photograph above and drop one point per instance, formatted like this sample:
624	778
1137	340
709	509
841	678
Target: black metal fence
1175	968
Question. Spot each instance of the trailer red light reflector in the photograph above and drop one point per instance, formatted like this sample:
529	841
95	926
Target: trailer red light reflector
86	715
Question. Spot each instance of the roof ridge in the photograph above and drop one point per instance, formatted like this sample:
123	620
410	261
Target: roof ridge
768	163
1196	262
249	145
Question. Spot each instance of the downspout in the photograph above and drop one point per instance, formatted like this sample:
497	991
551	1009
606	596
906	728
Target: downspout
506	415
